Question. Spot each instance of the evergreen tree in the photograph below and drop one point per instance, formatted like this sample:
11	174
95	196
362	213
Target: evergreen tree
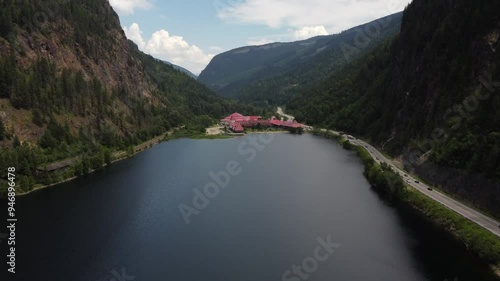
16	142
2	130
6	26
37	117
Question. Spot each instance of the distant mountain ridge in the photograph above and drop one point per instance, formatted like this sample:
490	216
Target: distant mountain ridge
273	71
177	67
182	69
429	96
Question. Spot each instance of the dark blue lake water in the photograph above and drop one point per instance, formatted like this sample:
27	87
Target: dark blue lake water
290	208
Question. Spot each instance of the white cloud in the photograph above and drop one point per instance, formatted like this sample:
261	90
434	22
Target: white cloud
127	7
134	33
308	32
336	15
170	48
215	48
258	42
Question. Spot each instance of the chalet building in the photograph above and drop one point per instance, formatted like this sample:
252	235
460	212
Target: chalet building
237	123
285	124
236	127
256	123
236	117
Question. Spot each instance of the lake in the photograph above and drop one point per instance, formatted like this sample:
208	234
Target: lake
260	207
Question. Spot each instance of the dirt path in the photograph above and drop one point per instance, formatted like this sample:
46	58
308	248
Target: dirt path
214	131
281	113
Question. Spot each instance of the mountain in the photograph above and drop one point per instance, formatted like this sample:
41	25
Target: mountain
427	96
275	71
182	69
72	85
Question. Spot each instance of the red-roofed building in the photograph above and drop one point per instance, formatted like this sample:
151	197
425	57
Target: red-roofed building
255	123
237	128
291	124
276	122
236	117
236	114
286	124
237	122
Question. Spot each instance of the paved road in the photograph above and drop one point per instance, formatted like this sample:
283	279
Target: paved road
467	212
481	219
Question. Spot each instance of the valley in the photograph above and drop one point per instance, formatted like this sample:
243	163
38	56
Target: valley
371	142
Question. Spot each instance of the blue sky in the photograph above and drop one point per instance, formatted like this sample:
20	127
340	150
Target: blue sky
191	32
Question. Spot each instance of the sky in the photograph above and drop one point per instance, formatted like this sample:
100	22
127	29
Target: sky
190	33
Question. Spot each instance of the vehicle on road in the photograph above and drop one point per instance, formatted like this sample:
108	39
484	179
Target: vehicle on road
429	188
417	182
406	175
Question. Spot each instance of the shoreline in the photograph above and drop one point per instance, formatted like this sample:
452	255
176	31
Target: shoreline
458	231
137	150
466	233
143	147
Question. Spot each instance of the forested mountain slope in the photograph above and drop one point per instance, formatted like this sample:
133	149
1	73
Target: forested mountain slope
71	84
429	94
273	72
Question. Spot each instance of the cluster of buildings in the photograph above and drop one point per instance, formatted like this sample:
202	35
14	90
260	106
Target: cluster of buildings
237	123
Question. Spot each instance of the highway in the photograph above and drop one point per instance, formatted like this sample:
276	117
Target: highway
481	219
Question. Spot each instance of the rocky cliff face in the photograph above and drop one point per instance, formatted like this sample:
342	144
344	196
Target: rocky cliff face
475	189
70	61
105	56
